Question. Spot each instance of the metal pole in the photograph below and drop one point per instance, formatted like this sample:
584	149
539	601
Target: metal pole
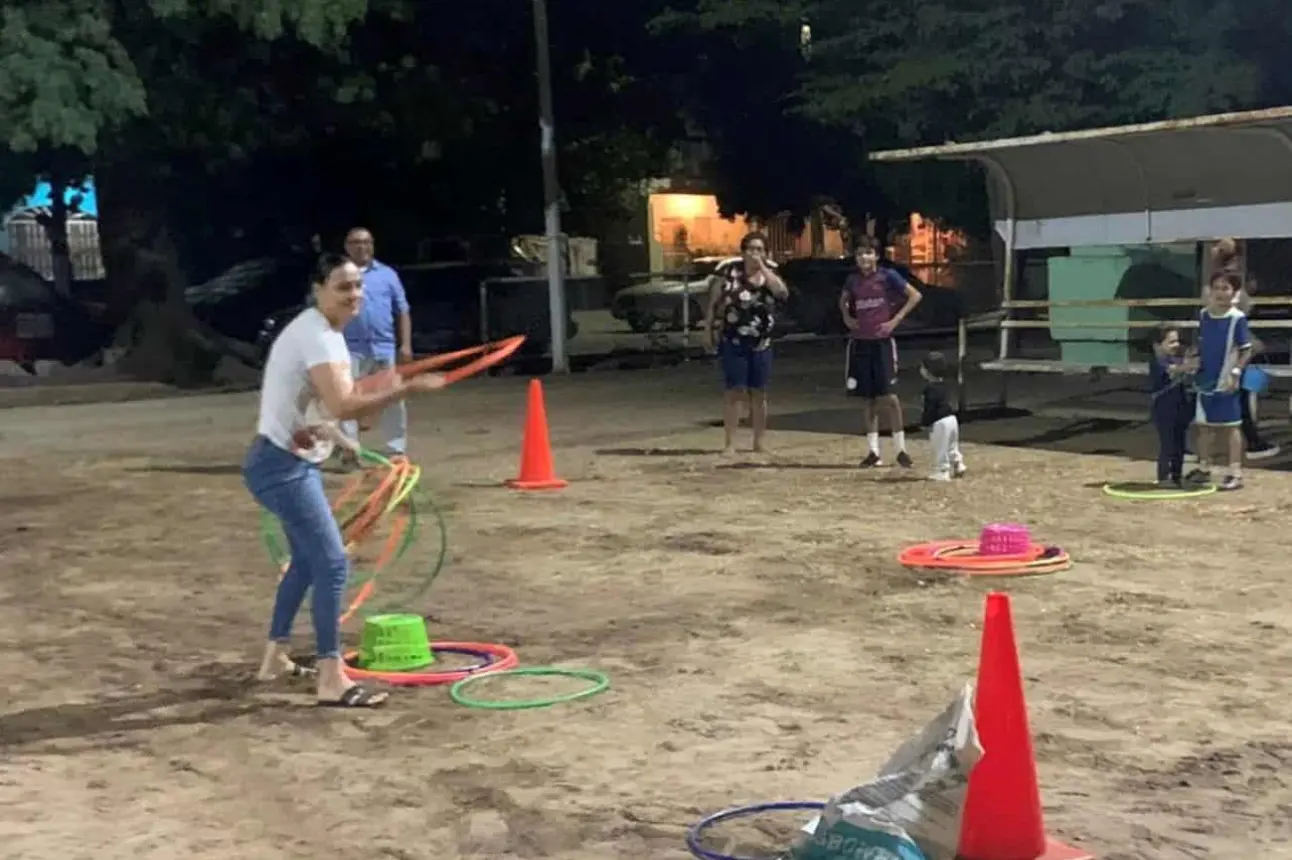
551	191
686	310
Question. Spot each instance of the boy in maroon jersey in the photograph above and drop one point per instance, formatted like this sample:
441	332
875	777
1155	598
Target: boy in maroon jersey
869	294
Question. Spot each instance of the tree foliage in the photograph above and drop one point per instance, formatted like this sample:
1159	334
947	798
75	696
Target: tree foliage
931	71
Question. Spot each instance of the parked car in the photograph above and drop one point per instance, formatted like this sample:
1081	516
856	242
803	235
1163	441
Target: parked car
659	302
39	324
445	302
236	302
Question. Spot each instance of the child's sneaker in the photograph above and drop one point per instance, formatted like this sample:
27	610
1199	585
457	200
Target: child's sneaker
871	461
959	471
904	460
940	476
1231	482
1198	477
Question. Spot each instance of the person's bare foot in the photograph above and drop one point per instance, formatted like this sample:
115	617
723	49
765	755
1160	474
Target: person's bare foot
278	663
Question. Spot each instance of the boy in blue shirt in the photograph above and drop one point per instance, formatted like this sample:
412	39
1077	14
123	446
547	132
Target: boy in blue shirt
1224	348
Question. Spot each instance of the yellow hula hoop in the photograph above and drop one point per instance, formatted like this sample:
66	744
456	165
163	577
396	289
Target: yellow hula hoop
1153	495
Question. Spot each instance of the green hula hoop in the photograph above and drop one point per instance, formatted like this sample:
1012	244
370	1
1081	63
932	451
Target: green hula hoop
1118	491
412	496
599	680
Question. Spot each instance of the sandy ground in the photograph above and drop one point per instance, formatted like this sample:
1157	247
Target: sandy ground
763	644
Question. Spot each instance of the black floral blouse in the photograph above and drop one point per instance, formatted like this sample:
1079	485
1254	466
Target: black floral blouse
746	310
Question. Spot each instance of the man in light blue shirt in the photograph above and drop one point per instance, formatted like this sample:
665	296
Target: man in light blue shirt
380	335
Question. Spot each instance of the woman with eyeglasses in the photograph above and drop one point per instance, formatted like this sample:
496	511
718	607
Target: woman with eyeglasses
739	320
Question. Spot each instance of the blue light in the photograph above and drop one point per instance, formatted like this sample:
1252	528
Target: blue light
43	196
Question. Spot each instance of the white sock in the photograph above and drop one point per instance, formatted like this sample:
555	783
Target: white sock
873	440
1236	469
899	440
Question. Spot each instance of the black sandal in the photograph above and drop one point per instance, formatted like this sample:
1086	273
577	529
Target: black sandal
357	696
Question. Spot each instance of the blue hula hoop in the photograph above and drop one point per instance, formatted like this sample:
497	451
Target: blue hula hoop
697	830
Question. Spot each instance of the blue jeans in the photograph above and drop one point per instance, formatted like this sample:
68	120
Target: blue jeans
292	490
393	425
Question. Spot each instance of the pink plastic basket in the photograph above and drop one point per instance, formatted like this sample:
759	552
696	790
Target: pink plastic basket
1004	539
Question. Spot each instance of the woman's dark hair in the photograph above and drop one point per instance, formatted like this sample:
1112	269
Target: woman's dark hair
936	364
325	266
749	238
1224	253
866	243
1164	330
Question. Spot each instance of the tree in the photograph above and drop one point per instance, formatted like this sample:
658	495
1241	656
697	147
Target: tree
737	82
64	80
936	70
457	86
97	84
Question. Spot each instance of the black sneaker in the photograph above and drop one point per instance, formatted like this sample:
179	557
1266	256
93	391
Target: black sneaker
1198	477
1263	451
872	460
904	460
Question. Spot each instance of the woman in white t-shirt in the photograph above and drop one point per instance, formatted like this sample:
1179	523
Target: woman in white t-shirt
307	389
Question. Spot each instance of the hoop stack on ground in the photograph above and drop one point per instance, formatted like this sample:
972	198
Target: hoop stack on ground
1002	549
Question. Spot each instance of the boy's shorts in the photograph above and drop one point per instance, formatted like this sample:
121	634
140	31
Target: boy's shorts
871	368
1221	409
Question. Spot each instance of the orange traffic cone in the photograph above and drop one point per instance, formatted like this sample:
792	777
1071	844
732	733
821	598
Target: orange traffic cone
1002	814
536	469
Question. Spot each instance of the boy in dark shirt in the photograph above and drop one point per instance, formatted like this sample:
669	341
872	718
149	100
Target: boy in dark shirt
940	417
1173	404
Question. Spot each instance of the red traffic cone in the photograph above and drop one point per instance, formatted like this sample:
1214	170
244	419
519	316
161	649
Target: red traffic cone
536	469
1002	817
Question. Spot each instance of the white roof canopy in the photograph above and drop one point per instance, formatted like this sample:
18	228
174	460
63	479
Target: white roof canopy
1199	178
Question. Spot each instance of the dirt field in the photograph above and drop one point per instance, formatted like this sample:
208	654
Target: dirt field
762	642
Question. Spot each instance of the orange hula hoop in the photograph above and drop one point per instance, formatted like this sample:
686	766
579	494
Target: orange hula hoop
489	354
360	523
962	558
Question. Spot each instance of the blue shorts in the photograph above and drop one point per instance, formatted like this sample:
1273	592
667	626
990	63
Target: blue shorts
1221	409
743	366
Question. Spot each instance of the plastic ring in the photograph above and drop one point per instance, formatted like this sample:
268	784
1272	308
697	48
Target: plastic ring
395	484
489	355
599	680
962	558
504	659
694	834
1125	491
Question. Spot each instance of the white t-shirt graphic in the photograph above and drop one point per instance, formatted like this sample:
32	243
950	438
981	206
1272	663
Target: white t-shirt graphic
291	414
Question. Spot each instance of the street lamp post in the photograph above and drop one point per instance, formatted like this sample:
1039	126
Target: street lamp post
551	191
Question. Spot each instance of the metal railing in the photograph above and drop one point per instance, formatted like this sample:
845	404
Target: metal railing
28	244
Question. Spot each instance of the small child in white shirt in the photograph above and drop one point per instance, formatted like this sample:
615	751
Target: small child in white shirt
940	417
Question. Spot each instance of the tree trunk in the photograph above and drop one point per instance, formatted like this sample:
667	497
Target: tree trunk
817	227
55	224
161	338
